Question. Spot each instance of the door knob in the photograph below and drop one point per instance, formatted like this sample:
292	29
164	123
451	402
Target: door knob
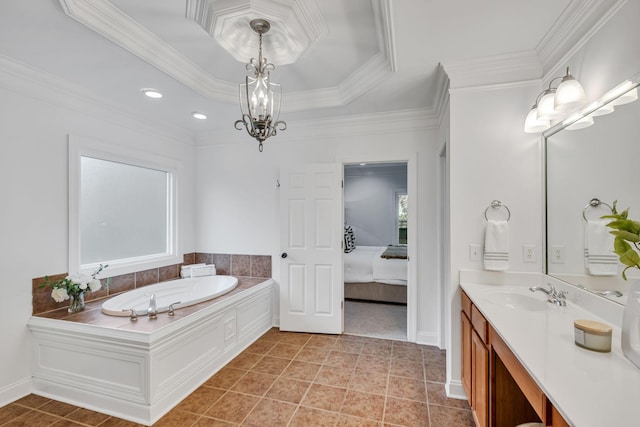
284	255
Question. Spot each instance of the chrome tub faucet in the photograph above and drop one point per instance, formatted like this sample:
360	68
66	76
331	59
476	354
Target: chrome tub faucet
152	310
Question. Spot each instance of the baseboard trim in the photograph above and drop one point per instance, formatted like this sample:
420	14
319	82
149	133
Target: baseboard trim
15	391
455	390
427	338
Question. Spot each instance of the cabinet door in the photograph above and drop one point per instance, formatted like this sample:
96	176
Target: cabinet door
556	418
480	381
466	355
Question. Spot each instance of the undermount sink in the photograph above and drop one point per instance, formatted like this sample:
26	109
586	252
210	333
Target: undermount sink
517	300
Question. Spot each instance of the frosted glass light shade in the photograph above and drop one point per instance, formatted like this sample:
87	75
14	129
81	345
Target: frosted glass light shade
569	95
604	110
533	125
626	98
584	122
546	110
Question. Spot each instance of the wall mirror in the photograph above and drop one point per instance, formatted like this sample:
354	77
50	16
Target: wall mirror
586	163
122	208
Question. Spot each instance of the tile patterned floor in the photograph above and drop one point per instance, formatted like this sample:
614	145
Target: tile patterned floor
295	380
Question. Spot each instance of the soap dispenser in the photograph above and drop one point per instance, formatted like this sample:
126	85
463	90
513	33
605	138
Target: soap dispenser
631	325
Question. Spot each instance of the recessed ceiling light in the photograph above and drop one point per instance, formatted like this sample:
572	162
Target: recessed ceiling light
152	93
199	116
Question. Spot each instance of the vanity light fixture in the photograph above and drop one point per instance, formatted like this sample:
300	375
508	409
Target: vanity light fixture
260	99
584	122
554	103
604	110
534	125
546	106
198	115
151	93
627	97
569	95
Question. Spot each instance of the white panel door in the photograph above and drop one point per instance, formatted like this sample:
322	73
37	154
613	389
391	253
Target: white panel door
311	290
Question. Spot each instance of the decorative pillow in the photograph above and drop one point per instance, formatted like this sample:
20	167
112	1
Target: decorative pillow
349	239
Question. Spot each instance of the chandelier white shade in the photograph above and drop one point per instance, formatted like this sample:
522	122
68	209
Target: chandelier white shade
260	99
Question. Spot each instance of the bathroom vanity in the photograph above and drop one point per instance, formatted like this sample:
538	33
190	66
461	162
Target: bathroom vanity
520	363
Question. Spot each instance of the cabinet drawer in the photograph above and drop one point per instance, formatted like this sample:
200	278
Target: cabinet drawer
466	304
479	323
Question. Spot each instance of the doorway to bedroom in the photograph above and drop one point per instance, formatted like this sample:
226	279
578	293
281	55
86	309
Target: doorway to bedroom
375	250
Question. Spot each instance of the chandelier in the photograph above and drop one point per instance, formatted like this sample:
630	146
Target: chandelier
260	99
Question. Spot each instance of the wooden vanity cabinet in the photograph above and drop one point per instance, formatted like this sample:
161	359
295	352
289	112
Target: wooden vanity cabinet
475	361
500	391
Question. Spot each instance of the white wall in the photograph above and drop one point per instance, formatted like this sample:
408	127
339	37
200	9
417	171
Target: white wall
492	158
33	214
370	202
238	201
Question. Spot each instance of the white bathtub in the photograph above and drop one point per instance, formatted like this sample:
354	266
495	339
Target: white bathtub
186	292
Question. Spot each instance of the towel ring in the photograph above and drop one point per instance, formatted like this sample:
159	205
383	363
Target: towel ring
497	204
594	203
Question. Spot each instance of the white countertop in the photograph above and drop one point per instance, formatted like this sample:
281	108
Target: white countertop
587	387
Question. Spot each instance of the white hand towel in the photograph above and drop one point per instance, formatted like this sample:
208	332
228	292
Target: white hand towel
600	258
496	246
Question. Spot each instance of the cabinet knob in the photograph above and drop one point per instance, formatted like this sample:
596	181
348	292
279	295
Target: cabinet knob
284	255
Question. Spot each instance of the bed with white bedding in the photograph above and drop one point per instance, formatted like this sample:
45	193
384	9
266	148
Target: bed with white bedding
369	276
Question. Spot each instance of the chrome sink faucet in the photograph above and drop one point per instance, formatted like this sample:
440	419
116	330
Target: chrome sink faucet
152	310
553	296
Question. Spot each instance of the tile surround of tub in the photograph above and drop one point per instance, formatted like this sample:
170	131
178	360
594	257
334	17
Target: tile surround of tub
240	265
222	263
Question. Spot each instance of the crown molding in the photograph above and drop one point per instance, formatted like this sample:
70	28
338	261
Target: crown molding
391	122
368	76
295	25
493	69
441	96
107	20
37	84
383	13
577	23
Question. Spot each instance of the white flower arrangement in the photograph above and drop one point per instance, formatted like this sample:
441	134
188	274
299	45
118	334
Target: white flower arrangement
74	285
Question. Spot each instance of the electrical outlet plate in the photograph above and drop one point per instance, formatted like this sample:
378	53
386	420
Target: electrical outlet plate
529	253
475	252
557	254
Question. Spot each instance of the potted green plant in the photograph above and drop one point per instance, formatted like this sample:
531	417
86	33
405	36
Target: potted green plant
626	244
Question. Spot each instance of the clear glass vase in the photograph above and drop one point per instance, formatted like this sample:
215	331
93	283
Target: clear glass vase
77	302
